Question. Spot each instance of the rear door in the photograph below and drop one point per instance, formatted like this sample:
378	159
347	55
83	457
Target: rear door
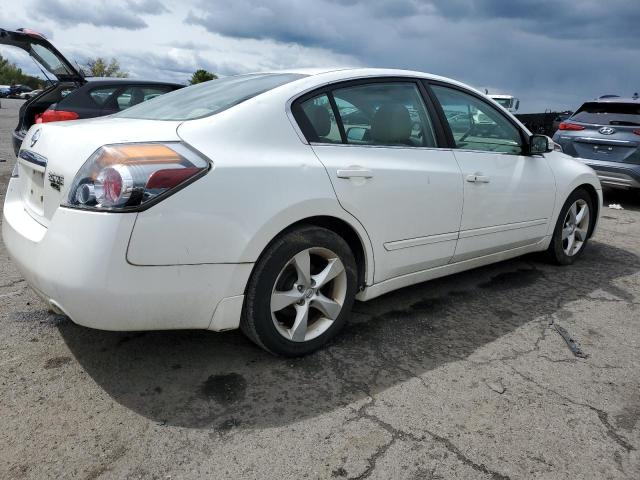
383	154
508	197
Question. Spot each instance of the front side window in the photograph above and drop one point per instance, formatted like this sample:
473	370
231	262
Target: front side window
102	94
475	124
390	114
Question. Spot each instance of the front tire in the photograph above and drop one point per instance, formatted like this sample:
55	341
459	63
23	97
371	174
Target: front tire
301	292
573	228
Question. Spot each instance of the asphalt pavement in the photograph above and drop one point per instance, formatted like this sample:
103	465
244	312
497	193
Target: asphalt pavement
464	377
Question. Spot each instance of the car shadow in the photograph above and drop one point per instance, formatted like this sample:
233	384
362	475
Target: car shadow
201	379
628	199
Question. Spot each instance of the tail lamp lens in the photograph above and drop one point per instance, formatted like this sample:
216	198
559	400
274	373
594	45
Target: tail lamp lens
56	116
570	126
122	177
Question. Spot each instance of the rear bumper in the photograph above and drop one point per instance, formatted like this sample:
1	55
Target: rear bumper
616	174
78	265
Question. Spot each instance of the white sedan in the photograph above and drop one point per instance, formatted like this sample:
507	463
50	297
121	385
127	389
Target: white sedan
271	201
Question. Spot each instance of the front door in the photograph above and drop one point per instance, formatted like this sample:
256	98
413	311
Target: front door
378	144
508	197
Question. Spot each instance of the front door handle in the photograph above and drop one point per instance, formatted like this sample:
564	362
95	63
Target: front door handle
477	178
354	173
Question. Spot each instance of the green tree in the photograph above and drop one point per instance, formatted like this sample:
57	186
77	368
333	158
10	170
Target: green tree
10	73
99	67
201	75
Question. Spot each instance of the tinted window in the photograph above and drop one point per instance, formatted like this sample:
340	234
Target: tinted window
101	95
609	113
475	124
137	94
384	114
208	98
323	124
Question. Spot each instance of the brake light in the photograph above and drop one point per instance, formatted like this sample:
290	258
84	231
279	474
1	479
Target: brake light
56	116
637	132
570	126
127	176
31	33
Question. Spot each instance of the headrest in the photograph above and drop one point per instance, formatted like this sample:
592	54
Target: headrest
320	119
391	124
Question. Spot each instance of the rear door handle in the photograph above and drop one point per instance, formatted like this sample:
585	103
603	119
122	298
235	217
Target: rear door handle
475	178
354	173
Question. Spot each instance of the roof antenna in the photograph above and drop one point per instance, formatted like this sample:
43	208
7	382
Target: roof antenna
486	91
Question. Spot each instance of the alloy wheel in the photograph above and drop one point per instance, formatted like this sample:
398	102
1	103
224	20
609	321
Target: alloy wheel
575	227
308	294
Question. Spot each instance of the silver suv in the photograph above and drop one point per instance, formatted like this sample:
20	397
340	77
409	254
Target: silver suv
605	134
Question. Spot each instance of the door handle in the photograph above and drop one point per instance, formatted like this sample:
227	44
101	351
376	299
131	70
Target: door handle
477	178
354	173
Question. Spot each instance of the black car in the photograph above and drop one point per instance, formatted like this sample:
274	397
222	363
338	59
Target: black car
73	96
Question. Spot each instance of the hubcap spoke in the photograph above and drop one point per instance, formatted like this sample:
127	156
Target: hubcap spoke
571	240
581	234
566	231
329	308
280	300
582	213
332	270
302	264
299	329
573	211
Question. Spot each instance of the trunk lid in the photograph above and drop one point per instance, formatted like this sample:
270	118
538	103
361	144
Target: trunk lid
52	154
617	144
43	52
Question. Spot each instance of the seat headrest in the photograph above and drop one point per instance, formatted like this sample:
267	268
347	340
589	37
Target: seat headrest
391	124
320	119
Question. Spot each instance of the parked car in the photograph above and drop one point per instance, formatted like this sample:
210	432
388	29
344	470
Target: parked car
605	134
15	91
4	90
244	202
28	94
73	96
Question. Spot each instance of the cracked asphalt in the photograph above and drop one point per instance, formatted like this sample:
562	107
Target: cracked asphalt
464	377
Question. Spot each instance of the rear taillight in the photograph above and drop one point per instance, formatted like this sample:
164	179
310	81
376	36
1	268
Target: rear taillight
130	176
570	126
637	132
56	116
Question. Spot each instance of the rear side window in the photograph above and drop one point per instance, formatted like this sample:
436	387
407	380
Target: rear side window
208	98
604	113
475	124
136	94
377	113
101	95
322	122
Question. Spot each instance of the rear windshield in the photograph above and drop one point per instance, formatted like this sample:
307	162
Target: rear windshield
208	98
608	113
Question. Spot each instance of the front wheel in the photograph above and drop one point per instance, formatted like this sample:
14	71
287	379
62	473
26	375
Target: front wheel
572	229
301	292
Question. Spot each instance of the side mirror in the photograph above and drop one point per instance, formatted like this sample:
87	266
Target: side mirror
539	144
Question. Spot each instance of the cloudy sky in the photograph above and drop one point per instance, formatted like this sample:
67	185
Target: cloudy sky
552	54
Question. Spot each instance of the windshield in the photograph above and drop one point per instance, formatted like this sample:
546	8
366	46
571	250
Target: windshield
208	98
503	102
608	113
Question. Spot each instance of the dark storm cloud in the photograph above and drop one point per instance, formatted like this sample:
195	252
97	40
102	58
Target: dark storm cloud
550	53
115	14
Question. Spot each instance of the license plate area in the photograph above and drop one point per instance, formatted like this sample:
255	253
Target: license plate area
33	189
604	149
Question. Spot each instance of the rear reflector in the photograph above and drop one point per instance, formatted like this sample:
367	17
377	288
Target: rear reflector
56	116
570	126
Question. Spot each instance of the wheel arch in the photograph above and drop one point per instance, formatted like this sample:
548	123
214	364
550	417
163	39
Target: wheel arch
595	202
355	237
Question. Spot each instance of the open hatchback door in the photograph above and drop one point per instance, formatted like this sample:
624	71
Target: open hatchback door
54	63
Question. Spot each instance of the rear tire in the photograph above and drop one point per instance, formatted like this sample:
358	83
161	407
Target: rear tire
573	228
301	292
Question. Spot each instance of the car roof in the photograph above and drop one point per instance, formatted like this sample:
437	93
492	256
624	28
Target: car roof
105	81
616	100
